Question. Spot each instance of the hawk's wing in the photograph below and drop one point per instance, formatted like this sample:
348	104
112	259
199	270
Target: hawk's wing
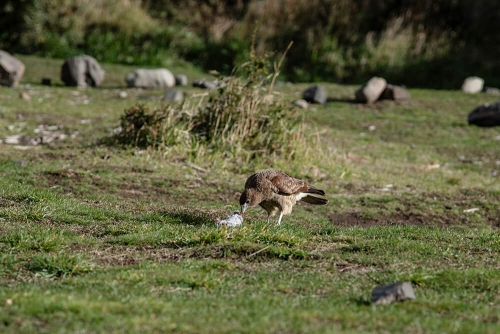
278	182
284	184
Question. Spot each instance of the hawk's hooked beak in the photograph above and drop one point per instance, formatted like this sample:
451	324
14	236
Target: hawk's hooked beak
243	208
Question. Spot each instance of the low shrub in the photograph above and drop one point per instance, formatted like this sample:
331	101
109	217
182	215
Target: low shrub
242	118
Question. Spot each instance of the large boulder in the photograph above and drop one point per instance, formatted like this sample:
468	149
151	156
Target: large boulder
82	71
315	94
154	78
486	115
396	93
11	70
371	91
472	85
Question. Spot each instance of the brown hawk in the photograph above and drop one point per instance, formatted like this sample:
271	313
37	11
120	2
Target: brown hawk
276	191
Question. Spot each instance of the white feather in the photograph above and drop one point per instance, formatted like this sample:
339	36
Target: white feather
300	196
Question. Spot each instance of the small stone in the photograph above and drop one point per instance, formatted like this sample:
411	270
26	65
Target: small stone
395	93
472	85
8	302
123	94
388	294
21	163
181	80
371	91
204	84
209	85
301	104
25	96
173	95
492	91
46	81
315	94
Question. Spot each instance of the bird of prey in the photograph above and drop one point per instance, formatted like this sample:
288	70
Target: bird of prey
276	191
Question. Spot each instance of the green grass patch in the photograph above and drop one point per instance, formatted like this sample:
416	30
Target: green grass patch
100	238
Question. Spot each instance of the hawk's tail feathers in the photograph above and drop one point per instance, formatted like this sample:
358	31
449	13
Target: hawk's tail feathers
315	200
311	190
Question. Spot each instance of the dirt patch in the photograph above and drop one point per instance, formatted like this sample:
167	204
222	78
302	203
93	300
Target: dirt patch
60	177
358	219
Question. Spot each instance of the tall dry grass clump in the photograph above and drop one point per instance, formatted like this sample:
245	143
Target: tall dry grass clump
242	119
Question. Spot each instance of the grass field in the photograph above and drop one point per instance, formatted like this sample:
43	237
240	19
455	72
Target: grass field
97	238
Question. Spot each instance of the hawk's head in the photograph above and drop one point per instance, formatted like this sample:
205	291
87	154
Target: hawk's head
248	198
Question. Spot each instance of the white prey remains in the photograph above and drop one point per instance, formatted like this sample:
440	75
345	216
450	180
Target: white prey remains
236	219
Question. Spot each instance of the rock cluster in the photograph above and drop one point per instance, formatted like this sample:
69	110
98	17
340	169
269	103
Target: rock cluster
377	89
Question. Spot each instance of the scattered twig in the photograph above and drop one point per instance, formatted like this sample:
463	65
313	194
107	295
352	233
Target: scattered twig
257	252
197	168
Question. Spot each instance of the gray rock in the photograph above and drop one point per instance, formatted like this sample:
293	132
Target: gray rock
371	91
173	95
388	294
472	85
301	104
204	84
155	78
11	70
21	163
485	115
491	91
123	94
315	94
82	71
181	80
395	93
